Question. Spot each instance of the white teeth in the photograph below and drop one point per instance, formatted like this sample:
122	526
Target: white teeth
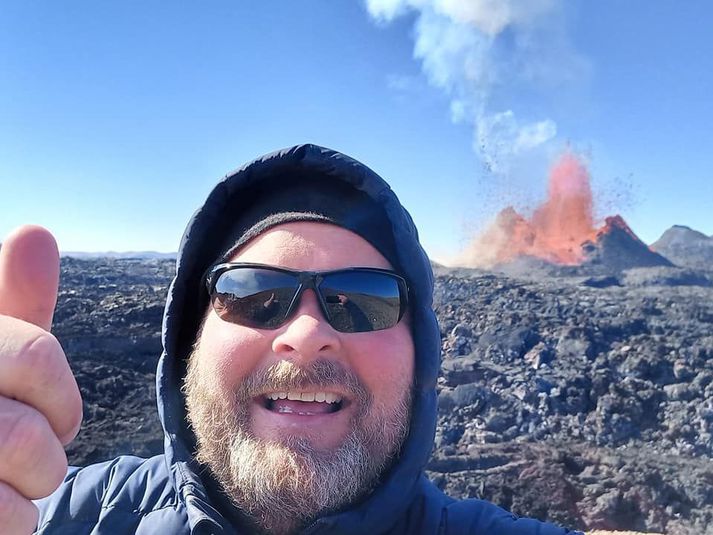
320	397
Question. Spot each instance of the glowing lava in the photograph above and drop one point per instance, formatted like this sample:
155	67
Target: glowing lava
556	230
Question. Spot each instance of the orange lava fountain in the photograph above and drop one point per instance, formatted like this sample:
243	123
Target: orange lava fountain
556	230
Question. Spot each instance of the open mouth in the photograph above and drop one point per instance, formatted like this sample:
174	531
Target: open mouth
303	403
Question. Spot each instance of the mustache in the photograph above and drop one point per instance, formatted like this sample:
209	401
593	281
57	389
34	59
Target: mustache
285	375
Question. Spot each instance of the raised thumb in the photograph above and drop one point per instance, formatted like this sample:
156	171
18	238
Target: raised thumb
29	275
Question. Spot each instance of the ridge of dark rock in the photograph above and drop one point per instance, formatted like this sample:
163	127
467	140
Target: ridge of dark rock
143	255
617	248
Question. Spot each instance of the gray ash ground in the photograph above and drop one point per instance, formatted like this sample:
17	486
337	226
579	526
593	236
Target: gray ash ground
586	400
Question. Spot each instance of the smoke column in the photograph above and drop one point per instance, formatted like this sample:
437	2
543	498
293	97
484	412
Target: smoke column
475	50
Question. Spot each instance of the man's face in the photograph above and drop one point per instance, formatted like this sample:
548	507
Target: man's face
281	460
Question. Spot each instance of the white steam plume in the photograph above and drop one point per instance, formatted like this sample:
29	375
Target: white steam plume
472	48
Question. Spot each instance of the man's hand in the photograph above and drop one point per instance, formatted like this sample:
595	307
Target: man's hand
40	404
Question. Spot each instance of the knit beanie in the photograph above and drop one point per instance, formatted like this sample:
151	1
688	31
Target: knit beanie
323	200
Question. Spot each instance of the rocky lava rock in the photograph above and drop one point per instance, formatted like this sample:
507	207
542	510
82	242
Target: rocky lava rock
108	320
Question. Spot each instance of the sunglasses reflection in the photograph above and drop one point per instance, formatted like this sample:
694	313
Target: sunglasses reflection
356	312
253	310
362	312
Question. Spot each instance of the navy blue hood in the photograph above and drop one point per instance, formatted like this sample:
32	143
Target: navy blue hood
187	301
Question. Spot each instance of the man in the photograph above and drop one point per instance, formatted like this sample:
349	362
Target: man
297	384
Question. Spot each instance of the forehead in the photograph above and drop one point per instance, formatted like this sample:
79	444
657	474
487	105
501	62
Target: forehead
311	246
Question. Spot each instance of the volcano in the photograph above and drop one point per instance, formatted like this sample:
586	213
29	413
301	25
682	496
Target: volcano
617	248
686	247
561	231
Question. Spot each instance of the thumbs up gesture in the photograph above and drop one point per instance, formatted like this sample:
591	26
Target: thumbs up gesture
40	404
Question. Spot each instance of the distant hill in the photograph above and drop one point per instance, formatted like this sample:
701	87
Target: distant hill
144	255
686	247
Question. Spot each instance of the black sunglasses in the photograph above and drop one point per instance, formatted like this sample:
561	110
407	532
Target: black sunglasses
352	300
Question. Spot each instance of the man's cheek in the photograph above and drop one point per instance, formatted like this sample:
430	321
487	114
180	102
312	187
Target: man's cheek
229	361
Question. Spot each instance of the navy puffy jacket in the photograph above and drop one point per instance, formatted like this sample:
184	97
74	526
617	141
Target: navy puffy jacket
165	494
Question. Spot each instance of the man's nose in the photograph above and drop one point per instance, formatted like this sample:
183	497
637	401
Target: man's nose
307	334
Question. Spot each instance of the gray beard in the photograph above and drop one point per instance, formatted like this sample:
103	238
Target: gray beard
283	486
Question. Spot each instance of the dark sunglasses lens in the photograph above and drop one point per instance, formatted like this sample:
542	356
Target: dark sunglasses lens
253	297
361	301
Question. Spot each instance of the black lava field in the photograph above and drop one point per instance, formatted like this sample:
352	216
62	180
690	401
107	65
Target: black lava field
577	397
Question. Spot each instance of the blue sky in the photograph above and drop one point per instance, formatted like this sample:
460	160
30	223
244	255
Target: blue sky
117	118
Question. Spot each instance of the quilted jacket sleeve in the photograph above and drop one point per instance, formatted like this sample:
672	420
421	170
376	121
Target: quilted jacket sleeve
76	504
125	495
